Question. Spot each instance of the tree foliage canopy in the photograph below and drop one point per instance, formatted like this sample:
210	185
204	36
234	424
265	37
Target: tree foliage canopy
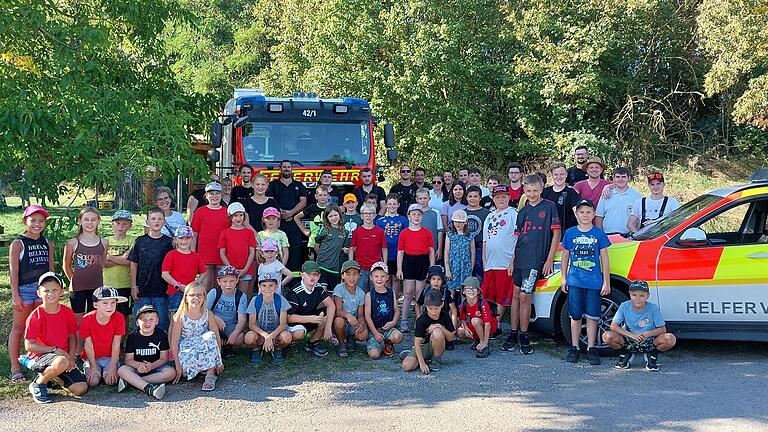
95	86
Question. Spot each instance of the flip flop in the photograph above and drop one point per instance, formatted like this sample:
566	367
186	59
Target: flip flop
17	377
210	383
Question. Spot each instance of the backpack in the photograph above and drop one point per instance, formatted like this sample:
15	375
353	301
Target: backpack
258	301
491	305
661	210
219	292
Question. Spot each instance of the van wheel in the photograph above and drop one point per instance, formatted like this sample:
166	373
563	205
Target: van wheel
608	308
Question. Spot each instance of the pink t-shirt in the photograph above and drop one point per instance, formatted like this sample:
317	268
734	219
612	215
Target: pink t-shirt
594	195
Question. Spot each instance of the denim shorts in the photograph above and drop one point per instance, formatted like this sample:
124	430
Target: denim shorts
365	280
28	294
102	363
584	303
174	301
373	344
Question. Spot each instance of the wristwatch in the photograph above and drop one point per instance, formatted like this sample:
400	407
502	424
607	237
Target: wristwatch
178	287
53	350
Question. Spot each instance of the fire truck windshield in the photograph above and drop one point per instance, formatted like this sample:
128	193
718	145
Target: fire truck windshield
310	143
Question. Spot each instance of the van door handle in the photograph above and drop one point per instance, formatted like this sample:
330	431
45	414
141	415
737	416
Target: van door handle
758	255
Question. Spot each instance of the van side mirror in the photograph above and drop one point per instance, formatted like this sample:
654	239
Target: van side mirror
693	237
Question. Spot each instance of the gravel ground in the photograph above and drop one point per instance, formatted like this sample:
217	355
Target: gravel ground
702	386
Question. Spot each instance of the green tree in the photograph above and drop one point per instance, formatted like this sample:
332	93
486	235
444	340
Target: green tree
88	94
735	34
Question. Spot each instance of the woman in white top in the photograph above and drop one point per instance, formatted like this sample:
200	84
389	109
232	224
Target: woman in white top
173	219
436	194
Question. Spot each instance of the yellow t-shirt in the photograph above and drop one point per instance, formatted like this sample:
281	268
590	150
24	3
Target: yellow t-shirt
118	276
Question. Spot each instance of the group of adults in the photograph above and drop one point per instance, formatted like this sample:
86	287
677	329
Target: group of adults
623	209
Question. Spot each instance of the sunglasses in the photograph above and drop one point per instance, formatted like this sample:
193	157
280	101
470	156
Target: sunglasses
405	171
437	182
656	176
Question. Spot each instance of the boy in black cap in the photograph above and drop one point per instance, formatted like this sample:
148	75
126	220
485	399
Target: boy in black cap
431	331
585	278
51	342
451	299
639	327
309	306
146	356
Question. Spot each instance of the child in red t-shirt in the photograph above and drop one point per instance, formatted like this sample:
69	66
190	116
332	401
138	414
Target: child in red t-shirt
51	342
207	223
103	330
181	267
415	254
477	321
368	246
237	247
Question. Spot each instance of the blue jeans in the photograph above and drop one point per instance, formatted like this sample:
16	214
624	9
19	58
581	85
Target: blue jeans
477	271
159	303
365	280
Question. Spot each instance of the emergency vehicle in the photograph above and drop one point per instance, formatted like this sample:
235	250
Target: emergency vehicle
706	264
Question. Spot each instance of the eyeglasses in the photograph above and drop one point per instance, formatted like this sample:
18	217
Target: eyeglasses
655	176
196	295
367	213
514	172
405	171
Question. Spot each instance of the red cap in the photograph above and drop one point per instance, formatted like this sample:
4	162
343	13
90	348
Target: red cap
34	209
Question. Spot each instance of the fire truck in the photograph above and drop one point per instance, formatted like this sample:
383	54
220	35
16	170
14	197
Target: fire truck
314	134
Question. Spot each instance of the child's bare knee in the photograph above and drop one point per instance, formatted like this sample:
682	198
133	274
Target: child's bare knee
78	389
374	354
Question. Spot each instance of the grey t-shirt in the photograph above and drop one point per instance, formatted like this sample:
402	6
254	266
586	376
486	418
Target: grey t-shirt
268	318
433	222
226	310
350	302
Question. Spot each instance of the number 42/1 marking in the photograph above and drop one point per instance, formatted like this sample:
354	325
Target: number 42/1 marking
309	113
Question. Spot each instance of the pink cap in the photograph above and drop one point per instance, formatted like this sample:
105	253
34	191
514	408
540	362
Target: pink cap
271	211
35	209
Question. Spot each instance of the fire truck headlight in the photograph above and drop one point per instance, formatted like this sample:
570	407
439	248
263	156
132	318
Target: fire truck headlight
341	109
275	107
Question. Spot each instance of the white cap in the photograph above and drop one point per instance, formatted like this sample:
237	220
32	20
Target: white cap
234	208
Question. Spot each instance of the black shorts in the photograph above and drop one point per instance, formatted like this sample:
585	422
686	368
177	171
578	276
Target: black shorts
415	267
519	275
68	377
81	301
392	267
329	280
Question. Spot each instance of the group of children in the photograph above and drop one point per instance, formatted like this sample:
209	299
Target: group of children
194	300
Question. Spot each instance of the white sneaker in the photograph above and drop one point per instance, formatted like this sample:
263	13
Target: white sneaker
120	385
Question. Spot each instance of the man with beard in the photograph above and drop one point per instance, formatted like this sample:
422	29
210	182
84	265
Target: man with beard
243	192
366	176
291	196
420	178
578	172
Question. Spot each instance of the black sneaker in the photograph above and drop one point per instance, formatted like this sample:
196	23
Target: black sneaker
525	344
436	363
227	351
497	334
351	345
511	343
625	360
593	356
39	393
449	345
315	349
484	353
573	355
650	362
473	347
157	391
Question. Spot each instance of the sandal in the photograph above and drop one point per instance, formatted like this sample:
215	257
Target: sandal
17	377
210	383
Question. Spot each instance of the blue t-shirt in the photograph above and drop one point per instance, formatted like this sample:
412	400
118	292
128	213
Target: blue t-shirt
584	265
225	308
639	321
392	226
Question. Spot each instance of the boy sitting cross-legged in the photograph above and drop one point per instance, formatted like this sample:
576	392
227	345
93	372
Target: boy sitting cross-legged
381	314
51	343
146	356
312	310
268	321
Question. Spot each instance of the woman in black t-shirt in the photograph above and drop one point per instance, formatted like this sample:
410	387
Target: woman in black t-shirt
255	206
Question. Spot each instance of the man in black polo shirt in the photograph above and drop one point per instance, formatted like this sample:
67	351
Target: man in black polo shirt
291	196
406	189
